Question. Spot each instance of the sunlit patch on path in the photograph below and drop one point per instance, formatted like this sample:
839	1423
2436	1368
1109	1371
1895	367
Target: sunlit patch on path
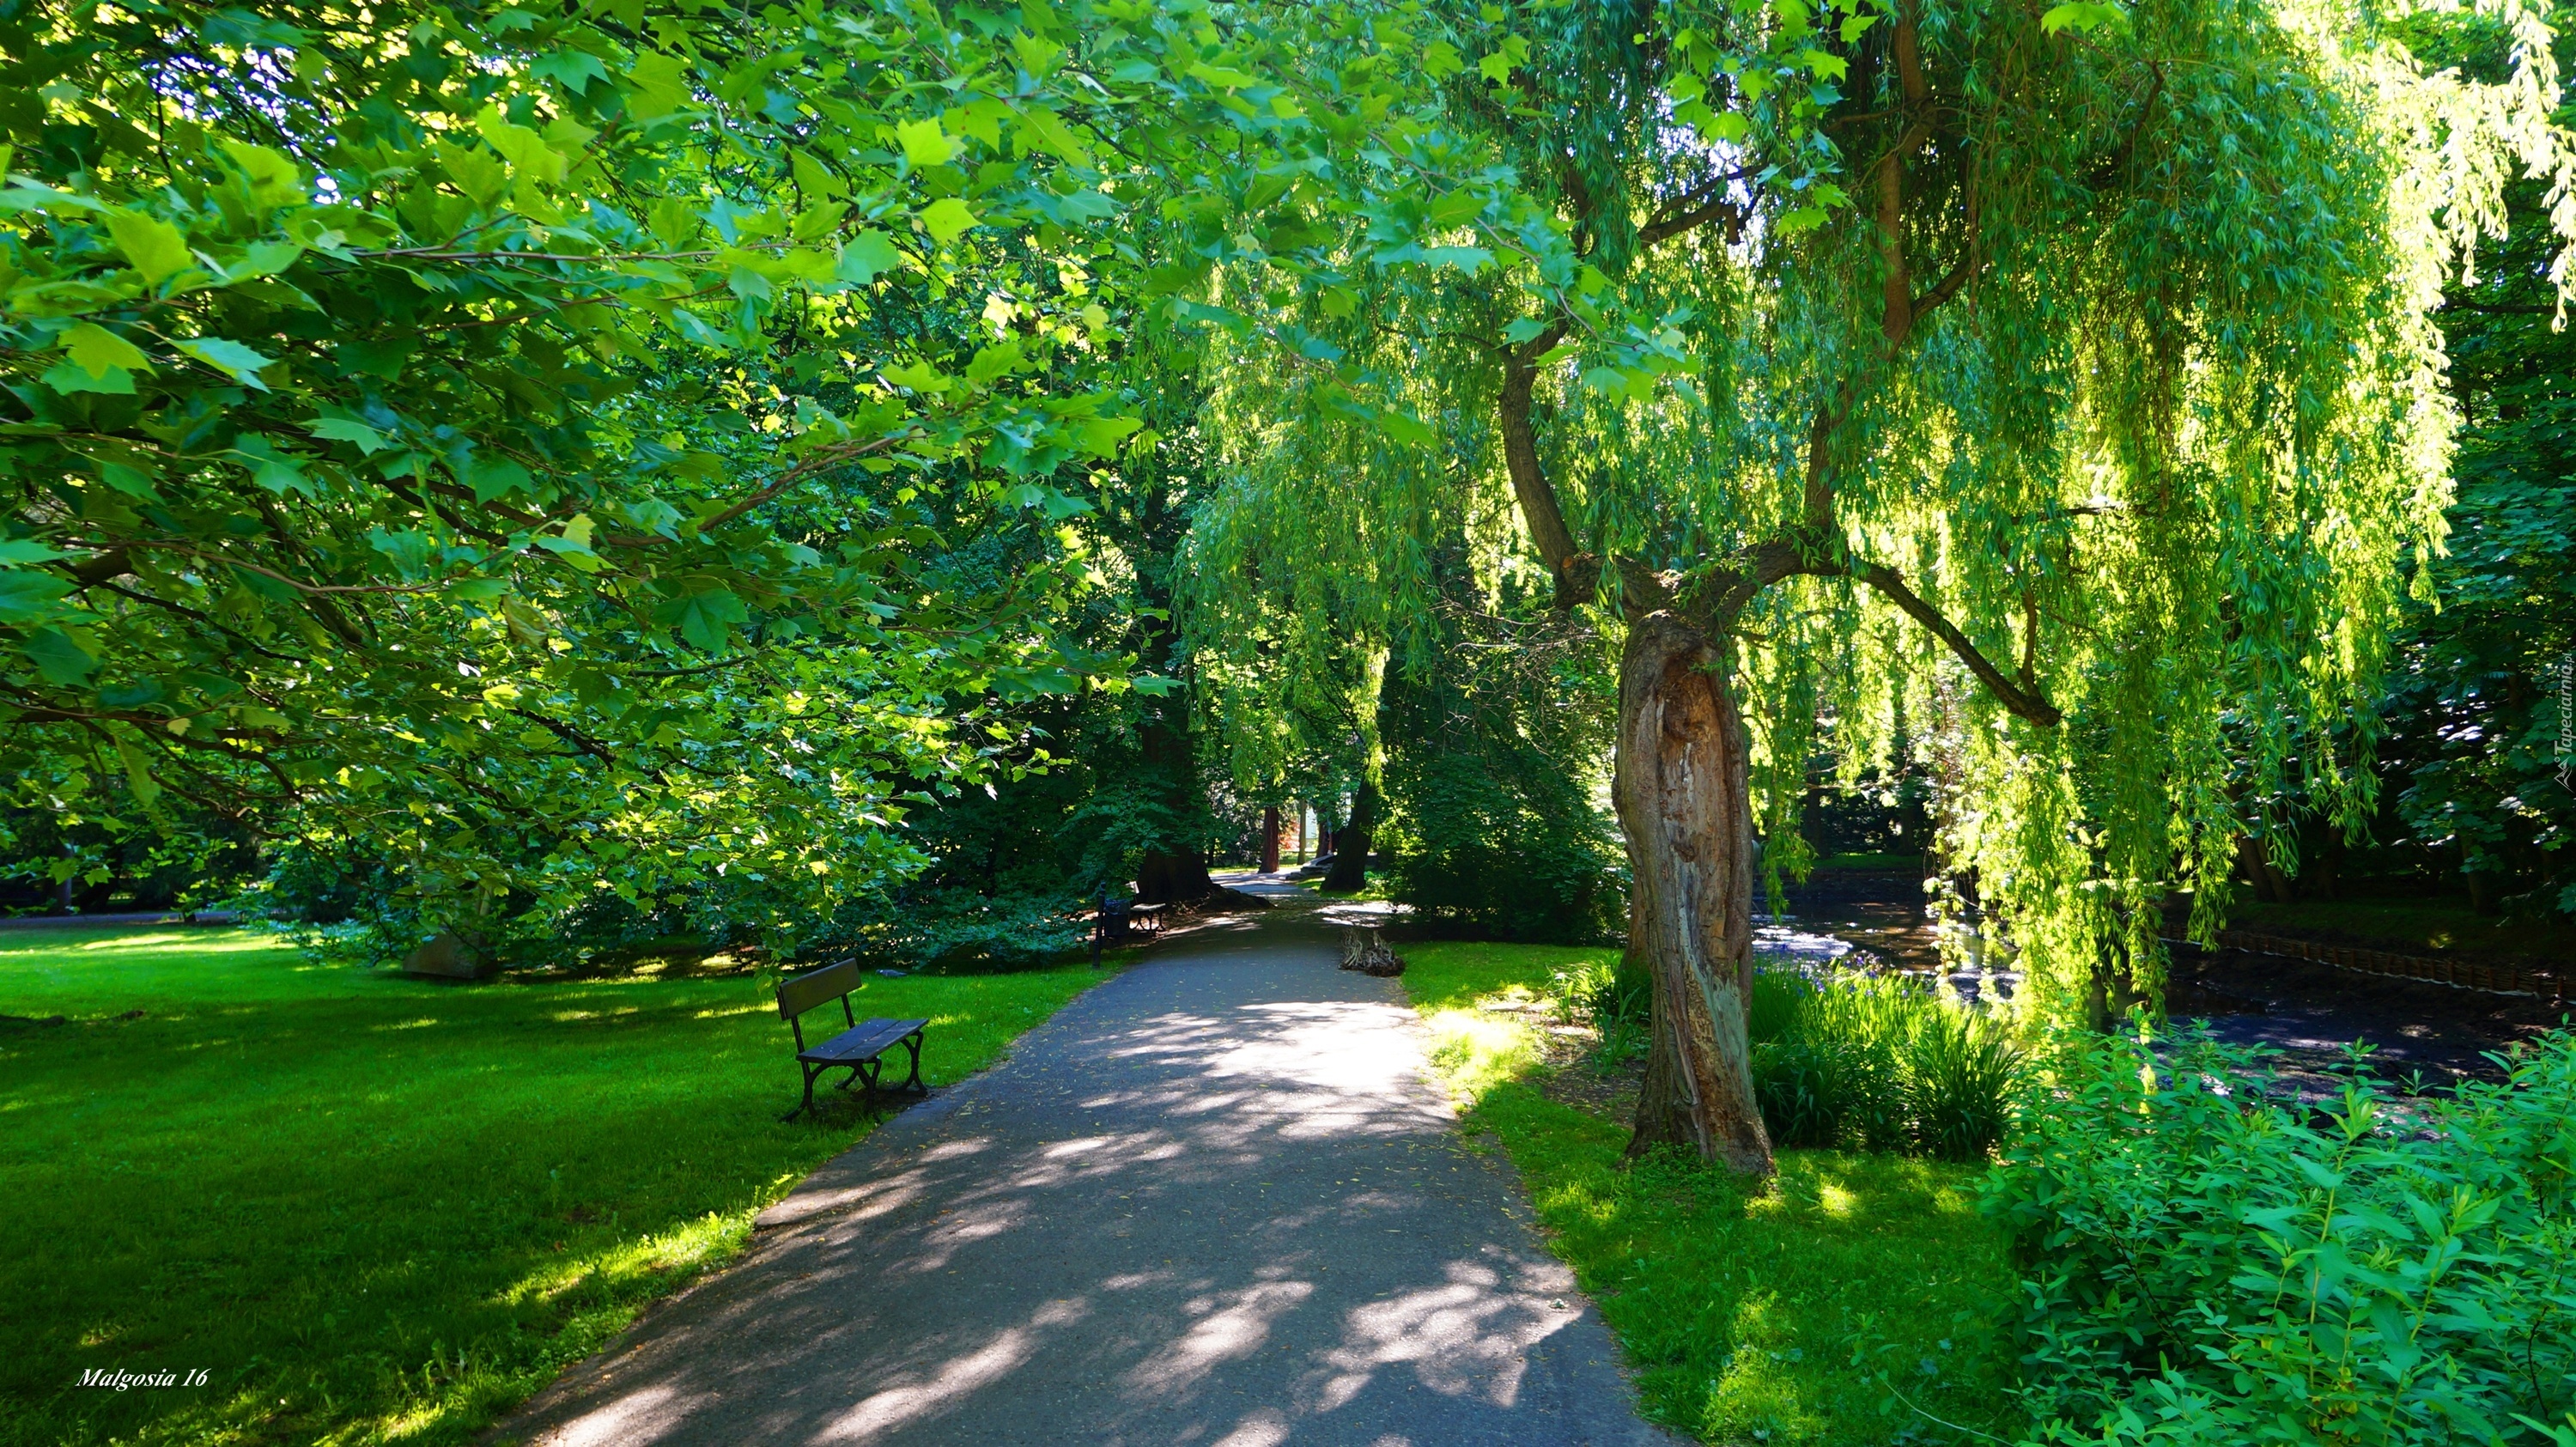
1215	1201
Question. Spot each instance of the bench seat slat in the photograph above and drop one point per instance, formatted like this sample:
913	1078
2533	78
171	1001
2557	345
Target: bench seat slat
860	1041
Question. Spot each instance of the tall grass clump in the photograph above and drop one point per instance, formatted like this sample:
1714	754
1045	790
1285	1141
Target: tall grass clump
1616	998
1881	1065
2206	1265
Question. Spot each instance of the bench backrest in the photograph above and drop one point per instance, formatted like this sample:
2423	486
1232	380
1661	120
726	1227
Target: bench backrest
814	987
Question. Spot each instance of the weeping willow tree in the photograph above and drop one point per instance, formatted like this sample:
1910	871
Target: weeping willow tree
2061	374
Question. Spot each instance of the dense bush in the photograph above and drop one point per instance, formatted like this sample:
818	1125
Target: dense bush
1879	1065
2211	1264
1493	826
961	930
1498	841
1853	1062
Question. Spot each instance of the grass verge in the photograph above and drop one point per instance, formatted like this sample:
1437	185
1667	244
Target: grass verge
378	1209
1857	1299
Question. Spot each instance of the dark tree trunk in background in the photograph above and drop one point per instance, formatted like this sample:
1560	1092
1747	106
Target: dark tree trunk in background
2482	890
1685	804
1171	876
1351	842
1173	879
1270	840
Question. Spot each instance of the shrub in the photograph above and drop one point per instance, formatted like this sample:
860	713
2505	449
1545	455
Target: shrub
957	930
2207	1264
1879	1065
1616	998
1960	1079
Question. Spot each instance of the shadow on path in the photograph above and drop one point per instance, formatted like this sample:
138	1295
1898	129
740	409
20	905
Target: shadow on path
1215	1201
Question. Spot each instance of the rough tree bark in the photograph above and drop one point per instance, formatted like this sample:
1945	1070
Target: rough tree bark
1351	842
1270	840
1685	804
1173	879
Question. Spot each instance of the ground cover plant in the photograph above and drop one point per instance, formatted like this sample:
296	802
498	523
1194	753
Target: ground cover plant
2211	1265
1880	1064
1856	1299
377	1208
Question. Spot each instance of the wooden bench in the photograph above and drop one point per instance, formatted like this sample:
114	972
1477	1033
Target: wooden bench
1120	919
858	1049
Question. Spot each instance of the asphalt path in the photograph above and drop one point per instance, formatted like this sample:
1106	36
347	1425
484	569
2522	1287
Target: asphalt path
1215	1201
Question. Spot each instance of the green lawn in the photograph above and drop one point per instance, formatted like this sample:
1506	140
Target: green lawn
372	1208
1856	1300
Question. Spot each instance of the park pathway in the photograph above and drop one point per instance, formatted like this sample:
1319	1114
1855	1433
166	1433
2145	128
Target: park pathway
1216	1201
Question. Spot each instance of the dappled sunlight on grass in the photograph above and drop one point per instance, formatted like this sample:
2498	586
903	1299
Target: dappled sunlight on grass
1852	1300
672	1255
1474	1051
379	1208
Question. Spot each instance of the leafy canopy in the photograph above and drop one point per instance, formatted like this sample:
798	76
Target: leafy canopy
527	440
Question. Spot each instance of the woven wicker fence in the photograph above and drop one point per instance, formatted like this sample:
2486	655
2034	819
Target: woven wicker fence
2463	974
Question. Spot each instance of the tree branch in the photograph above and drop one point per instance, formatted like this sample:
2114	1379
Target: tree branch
2023	704
1539	509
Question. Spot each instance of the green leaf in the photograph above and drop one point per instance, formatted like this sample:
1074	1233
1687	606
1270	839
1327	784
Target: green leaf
496	477
68	376
1101	435
574	70
867	256
1469	259
528	153
946	219
1406	429
229	357
348	429
2085	16
409	550
154	246
58	658
138	774
278	472
26	550
26	596
660	85
100	351
376	357
817	221
925	144
1805	218
705	619
130	481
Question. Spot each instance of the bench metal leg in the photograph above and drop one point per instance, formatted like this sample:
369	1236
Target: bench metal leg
912	1043
810	1072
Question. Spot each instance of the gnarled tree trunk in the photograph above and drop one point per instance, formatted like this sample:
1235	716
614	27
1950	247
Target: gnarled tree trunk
1351	842
1173	878
1685	803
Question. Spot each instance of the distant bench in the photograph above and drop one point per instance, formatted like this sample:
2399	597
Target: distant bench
1122	919
859	1049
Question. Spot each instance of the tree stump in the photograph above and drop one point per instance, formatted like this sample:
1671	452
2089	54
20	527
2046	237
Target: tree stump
1363	951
